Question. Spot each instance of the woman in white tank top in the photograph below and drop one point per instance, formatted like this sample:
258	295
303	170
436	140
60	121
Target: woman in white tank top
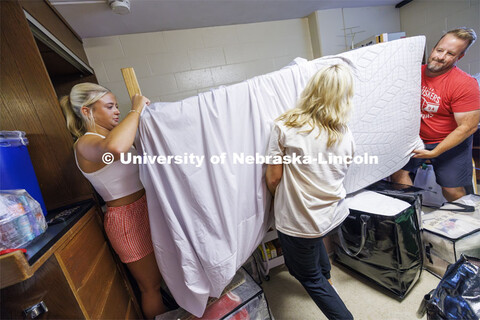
93	118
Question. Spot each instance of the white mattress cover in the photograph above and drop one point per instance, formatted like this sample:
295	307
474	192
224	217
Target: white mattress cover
207	220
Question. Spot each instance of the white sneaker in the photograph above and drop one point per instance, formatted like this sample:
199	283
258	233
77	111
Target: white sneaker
330	281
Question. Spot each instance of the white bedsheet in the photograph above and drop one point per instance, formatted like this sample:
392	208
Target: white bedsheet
207	219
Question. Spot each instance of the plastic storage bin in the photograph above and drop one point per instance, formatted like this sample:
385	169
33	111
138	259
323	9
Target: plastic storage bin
243	299
21	219
16	170
449	232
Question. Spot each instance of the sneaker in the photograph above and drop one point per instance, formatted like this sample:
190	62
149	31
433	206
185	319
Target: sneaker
330	281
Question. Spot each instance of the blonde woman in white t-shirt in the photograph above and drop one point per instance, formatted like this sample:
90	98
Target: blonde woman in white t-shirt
309	193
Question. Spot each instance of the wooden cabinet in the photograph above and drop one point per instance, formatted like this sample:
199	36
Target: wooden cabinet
28	102
76	278
48	16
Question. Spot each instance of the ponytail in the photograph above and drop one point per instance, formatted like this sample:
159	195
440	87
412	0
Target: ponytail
81	95
75	124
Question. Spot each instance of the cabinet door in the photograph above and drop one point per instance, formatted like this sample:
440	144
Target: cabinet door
48	285
91	270
28	103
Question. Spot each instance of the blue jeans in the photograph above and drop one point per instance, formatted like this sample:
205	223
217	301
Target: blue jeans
307	260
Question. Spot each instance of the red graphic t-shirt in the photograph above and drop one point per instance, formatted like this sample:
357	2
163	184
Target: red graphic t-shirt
454	91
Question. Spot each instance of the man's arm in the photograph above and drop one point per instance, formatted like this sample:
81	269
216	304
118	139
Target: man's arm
467	123
273	176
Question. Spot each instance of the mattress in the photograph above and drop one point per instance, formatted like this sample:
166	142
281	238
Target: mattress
208	204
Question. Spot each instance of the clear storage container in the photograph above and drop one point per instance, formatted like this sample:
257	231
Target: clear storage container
21	219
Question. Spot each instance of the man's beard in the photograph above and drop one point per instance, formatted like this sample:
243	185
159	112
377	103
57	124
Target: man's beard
435	66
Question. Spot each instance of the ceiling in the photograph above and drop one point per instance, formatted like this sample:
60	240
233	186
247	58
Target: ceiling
93	18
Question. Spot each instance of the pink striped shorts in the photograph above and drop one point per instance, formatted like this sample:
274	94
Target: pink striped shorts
128	230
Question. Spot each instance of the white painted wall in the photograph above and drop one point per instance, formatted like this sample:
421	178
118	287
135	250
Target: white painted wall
173	65
433	18
370	20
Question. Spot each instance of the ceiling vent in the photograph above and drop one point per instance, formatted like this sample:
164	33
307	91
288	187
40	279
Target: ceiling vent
120	6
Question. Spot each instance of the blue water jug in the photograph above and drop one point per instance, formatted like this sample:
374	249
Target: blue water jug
16	170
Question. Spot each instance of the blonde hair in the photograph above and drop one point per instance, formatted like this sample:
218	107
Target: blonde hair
81	95
325	103
463	33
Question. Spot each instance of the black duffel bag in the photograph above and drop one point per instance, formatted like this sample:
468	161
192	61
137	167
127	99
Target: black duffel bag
385	248
457	296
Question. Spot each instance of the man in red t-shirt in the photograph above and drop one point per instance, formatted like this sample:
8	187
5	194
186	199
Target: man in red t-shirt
450	109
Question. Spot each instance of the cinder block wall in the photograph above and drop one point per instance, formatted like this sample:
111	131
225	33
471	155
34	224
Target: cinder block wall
173	65
433	18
